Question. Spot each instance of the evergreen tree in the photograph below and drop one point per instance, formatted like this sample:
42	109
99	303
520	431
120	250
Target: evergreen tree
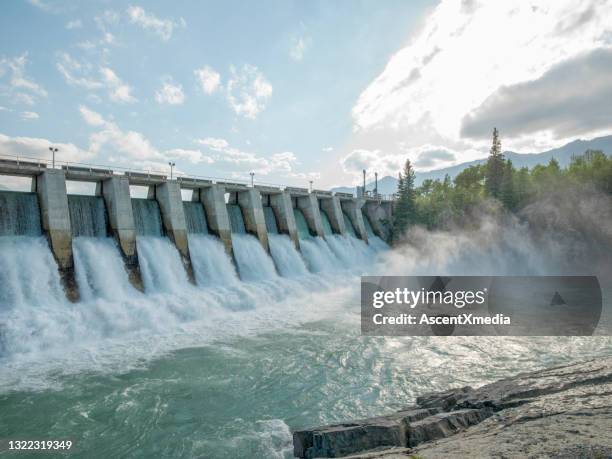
405	208
495	168
507	192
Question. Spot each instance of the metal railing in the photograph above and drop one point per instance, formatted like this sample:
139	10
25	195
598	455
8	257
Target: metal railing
119	170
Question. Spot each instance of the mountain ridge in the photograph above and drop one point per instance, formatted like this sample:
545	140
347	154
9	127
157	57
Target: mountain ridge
563	154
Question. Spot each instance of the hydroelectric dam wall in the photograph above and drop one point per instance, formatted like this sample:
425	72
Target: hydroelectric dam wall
282	219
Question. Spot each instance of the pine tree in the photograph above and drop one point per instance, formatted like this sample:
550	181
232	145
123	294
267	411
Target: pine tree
495	168
507	192
405	208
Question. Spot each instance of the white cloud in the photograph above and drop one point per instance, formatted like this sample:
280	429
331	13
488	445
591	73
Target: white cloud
118	91
465	52
248	91
22	88
92	118
29	116
238	163
75	24
162	27
77	73
327	149
170	93
132	148
34	147
214	143
208	79
193	156
85	75
298	48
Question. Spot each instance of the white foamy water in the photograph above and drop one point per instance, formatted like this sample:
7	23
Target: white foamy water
286	258
28	272
351	252
211	264
100	269
377	243
160	265
319	256
254	264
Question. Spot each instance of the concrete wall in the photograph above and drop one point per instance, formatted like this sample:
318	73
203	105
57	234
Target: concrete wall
332	208
213	198
377	215
168	196
252	212
118	202
283	211
309	205
353	209
50	187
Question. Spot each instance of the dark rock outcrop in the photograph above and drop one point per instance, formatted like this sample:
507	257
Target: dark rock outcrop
564	411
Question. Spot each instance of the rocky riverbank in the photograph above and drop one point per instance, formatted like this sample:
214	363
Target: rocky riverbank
561	412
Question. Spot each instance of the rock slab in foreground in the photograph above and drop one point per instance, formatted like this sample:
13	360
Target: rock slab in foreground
558	412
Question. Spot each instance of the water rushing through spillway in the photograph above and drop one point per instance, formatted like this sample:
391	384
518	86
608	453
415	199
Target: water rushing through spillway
271	225
147	217
160	265
254	264
302	225
287	259
99	269
373	240
211	264
87	216
327	228
195	218
19	214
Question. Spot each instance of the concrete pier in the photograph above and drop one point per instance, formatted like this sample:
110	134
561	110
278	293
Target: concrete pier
283	211
352	207
168	196
50	186
252	212
116	193
213	198
377	218
331	206
309	205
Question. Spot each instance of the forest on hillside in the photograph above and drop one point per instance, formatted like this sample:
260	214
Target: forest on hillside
441	204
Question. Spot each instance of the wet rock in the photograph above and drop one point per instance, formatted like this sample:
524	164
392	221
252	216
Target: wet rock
564	411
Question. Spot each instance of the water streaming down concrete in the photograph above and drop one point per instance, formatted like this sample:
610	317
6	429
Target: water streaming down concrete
161	265
271	224
327	228
373	240
318	255
28	273
147	217
87	216
19	214
236	221
212	265
302	225
287	259
195	217
254	264
349	225
99	269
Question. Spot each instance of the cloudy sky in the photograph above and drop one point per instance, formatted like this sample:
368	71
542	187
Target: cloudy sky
299	91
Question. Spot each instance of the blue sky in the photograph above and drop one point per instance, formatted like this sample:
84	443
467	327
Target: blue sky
311	61
299	91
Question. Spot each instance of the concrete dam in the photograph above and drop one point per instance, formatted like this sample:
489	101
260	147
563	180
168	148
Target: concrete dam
84	246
